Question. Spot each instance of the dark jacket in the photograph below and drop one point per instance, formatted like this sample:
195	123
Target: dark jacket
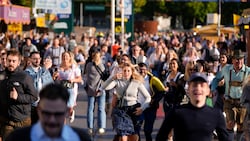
23	134
20	109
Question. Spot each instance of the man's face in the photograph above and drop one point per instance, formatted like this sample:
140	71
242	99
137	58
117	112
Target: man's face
143	71
125	59
35	60
52	114
4	60
12	62
56	42
28	42
198	91
238	63
136	50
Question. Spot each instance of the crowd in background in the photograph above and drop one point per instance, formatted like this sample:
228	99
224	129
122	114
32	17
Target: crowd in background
170	56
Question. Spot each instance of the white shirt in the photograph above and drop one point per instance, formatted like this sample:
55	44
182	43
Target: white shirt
141	98
38	134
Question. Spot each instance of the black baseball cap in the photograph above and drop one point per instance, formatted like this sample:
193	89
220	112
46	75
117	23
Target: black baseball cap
197	76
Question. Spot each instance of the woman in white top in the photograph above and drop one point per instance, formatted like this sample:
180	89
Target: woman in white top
69	75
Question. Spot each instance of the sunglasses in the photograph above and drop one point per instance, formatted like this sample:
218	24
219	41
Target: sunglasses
192	69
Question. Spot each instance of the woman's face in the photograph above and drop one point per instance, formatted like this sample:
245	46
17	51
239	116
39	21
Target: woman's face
173	65
127	72
191	69
66	57
223	59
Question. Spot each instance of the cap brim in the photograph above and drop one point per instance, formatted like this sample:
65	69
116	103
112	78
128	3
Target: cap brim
198	79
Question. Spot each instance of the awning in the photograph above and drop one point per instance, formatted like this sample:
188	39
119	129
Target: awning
14	14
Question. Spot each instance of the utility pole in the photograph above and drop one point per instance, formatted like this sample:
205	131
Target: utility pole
113	21
219	17
122	24
81	14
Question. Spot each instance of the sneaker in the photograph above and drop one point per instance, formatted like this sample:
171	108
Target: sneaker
101	131
90	131
72	117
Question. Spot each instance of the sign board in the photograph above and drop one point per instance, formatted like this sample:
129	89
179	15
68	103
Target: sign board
14	14
40	21
15	27
212	18
54	6
127	7
63	24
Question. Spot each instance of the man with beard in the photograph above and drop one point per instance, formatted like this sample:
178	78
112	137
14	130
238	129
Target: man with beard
41	77
52	111
234	75
17	94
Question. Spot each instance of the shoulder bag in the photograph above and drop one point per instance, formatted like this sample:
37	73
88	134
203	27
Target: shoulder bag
104	74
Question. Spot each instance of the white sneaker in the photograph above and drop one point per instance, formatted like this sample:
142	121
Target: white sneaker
72	117
101	131
90	131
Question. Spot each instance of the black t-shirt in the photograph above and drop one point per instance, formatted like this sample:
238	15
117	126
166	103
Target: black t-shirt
193	124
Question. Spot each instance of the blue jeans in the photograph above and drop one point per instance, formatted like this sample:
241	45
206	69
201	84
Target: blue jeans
101	117
72	99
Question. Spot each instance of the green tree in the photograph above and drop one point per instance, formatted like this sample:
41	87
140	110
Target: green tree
199	10
138	4
27	3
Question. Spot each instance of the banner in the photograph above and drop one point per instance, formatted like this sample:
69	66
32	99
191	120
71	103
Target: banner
14	14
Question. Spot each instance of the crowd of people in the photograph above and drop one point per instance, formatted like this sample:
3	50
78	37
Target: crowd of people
190	75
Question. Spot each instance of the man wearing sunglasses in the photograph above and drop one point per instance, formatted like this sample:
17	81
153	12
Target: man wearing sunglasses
156	89
52	111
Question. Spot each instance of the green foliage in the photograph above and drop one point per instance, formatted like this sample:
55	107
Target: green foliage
138	4
199	10
161	6
27	3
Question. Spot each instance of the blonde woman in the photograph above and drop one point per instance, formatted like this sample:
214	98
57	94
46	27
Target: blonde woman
189	69
127	87
190	55
69	74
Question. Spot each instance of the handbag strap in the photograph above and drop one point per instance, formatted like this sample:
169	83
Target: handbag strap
98	69
123	94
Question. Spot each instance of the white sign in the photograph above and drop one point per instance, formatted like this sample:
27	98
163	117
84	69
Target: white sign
127	7
60	25
212	18
55	6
